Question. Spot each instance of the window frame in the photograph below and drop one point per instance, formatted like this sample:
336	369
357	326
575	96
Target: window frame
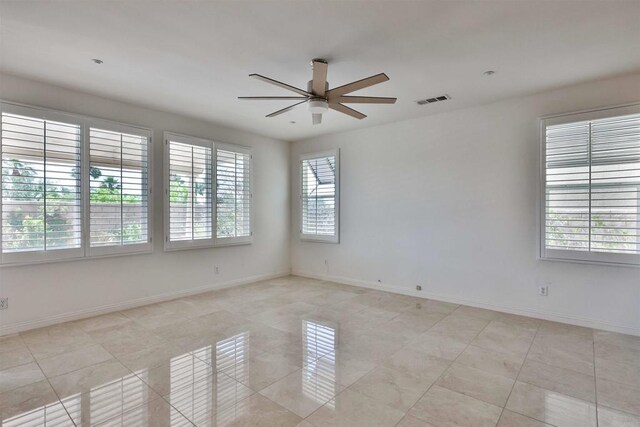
335	238
193	243
138	248
214	241
231	241
588	257
44	257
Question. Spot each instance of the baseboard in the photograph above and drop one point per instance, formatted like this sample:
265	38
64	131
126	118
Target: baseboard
13	328
522	311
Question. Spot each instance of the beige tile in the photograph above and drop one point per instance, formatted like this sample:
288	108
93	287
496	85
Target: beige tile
604	339
11	343
551	407
256	410
618	352
503	364
419	322
608	417
109	401
563	354
396	389
561	380
51	413
74	360
512	419
619	396
19	376
22	400
416	363
304	391
263	369
84	379
459	327
440	406
180	372
481	385
18	356
101	322
409	421
614	371
479	313
352	409
347	369
155	412
438	346
431	306
506	338
150	357
200	400
54	340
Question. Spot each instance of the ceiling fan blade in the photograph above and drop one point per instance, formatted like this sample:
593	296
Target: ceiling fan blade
280	84
360	84
348	111
284	110
364	100
319	78
271	98
316	119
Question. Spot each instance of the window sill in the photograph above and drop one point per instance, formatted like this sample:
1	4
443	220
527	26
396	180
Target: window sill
590	262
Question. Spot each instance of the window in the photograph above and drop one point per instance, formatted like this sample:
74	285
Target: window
71	186
189	222
233	194
118	189
591	174
193	217
41	191
320	174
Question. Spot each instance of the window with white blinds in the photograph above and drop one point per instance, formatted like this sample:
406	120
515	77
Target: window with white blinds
320	196
72	186
591	174
118	189
189	191
41	187
233	194
207	193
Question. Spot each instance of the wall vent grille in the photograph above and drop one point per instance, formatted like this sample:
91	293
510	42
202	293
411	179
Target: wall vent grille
434	99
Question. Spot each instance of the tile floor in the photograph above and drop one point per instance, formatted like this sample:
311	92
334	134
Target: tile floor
302	352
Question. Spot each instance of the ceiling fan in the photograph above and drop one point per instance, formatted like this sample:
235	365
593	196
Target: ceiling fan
320	98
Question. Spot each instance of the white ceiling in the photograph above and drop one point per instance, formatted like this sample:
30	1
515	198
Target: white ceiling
194	57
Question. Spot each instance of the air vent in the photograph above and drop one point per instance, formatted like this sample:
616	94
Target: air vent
432	100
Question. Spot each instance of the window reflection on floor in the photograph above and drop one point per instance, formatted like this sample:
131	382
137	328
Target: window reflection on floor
191	385
231	353
52	415
319	361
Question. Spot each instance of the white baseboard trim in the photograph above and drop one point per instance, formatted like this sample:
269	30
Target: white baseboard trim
522	311
16	327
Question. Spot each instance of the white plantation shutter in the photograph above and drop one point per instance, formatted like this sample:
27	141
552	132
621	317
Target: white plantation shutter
189	192
319	196
592	187
41	191
118	178
233	194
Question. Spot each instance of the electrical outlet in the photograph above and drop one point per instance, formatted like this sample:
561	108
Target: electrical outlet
217	270
418	288
4	303
543	290
326	265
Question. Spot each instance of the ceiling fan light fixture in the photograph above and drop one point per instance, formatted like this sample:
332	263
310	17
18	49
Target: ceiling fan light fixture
318	106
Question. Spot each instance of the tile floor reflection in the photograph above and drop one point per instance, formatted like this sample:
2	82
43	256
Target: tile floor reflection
294	351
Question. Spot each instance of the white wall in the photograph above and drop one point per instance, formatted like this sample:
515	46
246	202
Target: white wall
42	294
450	202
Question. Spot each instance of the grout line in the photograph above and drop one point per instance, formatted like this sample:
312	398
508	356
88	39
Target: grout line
524	360
450	363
